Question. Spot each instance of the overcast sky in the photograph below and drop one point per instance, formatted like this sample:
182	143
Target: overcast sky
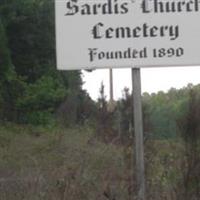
153	79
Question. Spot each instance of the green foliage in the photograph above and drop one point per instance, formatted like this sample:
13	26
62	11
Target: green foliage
125	115
5	60
10	84
30	32
40	100
31	89
45	93
163	110
189	128
160	111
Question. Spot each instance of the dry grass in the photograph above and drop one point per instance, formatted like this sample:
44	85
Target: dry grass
60	165
71	164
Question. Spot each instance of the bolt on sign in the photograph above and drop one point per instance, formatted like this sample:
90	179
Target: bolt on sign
127	33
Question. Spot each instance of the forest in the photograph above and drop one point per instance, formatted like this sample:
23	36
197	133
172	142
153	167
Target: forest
56	143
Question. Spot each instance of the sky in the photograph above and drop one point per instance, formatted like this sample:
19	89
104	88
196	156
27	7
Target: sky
152	79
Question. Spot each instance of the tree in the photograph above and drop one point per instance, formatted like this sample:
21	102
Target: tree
190	130
32	85
10	85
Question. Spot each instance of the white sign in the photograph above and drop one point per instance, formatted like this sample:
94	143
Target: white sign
127	33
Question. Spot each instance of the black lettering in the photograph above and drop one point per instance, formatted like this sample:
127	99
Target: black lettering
95	8
144	7
92	53
116	8
189	9
153	31
123	32
196	5
72	7
92	8
124	8
96	31
136	32
85	10
145	28
109	32
107	8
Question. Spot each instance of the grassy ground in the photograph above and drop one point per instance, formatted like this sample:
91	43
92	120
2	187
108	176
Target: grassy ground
70	164
59	164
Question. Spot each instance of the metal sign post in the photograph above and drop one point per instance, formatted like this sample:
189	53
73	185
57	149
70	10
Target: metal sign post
138	131
111	105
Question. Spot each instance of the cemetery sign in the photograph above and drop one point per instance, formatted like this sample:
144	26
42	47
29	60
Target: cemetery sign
127	33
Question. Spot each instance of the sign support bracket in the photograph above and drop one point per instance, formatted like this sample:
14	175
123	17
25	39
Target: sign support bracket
138	132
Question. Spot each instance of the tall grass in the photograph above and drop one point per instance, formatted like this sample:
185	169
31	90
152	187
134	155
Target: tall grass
72	164
59	165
